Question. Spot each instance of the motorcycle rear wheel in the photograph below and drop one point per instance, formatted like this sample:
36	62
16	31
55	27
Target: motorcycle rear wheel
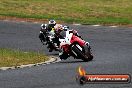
88	53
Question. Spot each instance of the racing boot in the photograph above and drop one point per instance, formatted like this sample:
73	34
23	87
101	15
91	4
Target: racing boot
50	50
50	47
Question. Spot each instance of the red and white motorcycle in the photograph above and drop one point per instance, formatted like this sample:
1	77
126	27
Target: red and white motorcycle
72	45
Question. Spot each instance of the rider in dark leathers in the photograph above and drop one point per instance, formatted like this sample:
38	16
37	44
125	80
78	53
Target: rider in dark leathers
45	29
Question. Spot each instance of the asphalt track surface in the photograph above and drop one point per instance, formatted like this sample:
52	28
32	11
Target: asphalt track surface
112	49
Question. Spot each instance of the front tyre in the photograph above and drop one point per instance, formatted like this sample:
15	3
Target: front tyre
63	56
84	53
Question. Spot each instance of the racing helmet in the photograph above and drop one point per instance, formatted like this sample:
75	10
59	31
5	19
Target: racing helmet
52	23
65	28
58	28
43	26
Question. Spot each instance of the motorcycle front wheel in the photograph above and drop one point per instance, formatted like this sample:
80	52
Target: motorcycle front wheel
83	53
64	56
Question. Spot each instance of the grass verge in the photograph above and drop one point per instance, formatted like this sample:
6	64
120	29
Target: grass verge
9	57
71	11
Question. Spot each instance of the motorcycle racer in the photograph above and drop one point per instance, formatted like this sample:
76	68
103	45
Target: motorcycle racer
61	34
53	29
50	26
47	28
72	45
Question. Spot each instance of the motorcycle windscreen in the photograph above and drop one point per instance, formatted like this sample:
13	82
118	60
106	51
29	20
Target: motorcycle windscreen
62	35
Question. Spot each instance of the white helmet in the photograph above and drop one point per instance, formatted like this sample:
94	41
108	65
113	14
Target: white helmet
66	28
43	26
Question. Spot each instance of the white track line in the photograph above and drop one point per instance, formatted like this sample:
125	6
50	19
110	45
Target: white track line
113	26
23	21
96	25
76	24
36	22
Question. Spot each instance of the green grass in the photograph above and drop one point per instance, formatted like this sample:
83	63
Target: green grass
71	11
9	57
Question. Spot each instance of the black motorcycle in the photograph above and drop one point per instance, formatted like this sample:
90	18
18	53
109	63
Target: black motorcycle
49	39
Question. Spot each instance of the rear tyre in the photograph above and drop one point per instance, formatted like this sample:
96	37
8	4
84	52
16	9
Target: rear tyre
88	53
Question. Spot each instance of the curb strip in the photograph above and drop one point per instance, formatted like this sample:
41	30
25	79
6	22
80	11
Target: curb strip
52	59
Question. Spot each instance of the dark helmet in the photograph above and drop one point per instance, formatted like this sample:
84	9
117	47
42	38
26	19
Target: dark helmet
52	23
